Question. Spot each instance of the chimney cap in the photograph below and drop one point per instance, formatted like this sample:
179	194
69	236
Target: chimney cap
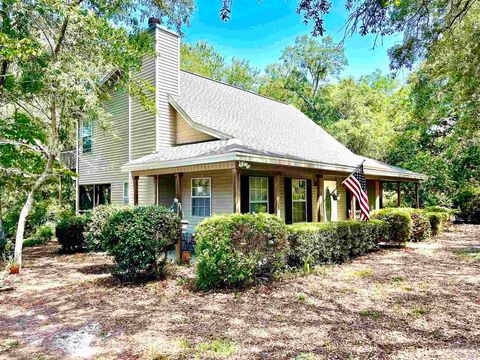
153	20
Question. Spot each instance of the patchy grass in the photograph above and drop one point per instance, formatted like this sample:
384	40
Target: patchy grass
471	254
412	303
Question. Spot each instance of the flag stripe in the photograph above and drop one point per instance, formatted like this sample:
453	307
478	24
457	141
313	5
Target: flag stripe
357	184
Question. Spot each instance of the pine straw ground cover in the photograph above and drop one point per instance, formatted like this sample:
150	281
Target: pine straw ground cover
418	302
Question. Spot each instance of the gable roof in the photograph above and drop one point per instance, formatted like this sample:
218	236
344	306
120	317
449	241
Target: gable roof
250	124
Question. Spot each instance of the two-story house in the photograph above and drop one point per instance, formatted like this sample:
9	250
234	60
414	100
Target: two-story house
218	149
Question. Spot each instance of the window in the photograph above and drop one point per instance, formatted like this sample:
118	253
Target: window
201	197
125	193
87	136
94	195
258	194
328	205
299	200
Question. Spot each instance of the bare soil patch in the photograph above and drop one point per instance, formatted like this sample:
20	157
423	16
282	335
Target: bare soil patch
414	303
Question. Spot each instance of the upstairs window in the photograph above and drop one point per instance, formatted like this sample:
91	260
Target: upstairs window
299	200
86	135
201	197
258	194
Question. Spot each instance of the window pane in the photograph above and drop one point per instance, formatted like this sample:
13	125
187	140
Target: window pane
299	189
86	197
102	194
201	187
258	208
200	206
299	213
87	144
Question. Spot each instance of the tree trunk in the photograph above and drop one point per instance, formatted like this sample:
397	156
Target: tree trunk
26	210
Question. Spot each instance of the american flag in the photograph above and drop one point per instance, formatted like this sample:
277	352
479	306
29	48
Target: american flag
357	184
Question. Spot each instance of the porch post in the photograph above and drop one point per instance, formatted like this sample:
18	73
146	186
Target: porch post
380	185
135	190
276	194
320	195
236	189
353	208
417	199
377	194
155	191
398	194
178	195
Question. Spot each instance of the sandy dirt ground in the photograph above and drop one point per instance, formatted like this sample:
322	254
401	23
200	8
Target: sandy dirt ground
420	302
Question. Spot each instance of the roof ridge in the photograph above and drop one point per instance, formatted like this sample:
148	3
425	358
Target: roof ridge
236	87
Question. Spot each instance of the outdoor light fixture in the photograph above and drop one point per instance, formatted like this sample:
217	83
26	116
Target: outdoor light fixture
244	165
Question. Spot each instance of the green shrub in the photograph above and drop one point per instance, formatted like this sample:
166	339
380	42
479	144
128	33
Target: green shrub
44	233
138	238
318	243
421	228
239	249
32	242
468	201
398	224
95	233
69	232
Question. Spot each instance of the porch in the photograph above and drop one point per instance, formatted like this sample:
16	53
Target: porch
294	194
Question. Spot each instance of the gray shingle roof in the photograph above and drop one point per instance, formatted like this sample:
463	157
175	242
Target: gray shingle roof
257	125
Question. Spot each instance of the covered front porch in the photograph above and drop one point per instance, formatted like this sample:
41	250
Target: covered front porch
294	194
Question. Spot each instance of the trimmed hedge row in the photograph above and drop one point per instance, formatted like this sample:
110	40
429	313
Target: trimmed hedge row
318	243
239	249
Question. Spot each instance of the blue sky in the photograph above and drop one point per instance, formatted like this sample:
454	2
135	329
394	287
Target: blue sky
260	29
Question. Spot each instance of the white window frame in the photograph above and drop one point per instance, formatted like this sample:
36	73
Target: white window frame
301	201
126	198
200	197
250	193
83	136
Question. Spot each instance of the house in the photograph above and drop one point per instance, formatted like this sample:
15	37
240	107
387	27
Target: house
218	149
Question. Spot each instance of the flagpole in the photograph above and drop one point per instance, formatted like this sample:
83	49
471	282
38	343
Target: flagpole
324	198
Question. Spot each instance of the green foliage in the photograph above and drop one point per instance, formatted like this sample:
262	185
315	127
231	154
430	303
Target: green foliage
468	200
45	233
201	58
95	232
239	249
32	242
69	233
319	243
421	227
138	239
398	224
440	218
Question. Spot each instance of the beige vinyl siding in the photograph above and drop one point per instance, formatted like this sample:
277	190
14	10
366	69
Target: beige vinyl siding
167	83
109	149
146	190
187	134
221	189
371	195
342	202
142	122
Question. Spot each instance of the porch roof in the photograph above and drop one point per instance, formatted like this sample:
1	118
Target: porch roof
251	127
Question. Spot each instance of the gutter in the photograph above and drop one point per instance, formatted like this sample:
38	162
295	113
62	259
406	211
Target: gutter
239	156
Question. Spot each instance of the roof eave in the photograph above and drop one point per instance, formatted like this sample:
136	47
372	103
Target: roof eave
240	156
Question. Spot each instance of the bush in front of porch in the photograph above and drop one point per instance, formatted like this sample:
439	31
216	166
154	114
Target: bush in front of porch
239	249
138	239
333	242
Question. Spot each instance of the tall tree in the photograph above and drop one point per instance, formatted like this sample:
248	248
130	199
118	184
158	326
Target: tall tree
53	56
202	58
421	22
304	68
